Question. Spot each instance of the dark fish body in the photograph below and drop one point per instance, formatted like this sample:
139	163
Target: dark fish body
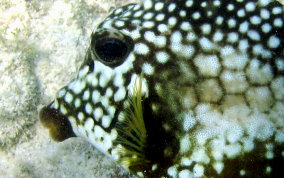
209	101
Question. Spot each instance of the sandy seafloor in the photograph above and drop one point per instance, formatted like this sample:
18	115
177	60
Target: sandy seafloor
42	44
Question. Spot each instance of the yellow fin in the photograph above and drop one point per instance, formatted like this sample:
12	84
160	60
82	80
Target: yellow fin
132	132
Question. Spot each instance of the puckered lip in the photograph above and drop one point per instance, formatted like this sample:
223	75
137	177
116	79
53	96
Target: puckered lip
58	125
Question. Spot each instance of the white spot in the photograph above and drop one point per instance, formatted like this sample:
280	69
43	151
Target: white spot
266	28
136	7
148	4
68	97
171	7
182	13
88	108
255	20
200	156
280	64
77	86
104	79
55	104
203	4
118	80
232	151
176	37
278	22
120	94
273	42
241	13
277	10
185	174
106	120
77	103
172	171
61	93
162	57
264	2
104	101
185	26
268	169
185	144
219	20
257	49
269	155
234	134
63	110
242	172
234	82
218	36
98	113
233	60
118	11
160	17
209	13
163	28
119	23
148	24
89	124
172	21
148	69
141	48
217	3
279	137
92	79
109	92
148	15
96	96
218	166
186	162
81	116
198	170
230	7
206	44
189	3
233	37
232	23
86	95
191	37
187	51
206	29
111	111
265	14
259	126
243	45
244	27
161	41
196	15
159	6
248	144
135	34
138	13
83	72
254	35
150	36
250	6
188	122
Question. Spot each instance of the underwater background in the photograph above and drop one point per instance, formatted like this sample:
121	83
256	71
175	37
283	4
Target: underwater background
42	45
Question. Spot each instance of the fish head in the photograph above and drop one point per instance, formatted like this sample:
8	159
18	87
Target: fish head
181	88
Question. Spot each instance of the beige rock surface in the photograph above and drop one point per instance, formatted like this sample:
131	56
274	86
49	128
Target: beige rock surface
42	44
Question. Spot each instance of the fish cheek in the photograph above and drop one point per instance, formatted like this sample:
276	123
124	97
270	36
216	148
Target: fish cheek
58	125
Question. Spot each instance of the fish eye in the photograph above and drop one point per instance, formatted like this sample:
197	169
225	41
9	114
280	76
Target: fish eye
111	48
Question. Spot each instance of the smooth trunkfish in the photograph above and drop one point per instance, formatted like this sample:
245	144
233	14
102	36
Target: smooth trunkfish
182	88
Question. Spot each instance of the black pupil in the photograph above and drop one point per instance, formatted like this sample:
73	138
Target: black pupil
111	49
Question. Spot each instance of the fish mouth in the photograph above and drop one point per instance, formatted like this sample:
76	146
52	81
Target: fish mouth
58	125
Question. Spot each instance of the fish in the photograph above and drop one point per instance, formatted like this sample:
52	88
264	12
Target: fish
181	88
